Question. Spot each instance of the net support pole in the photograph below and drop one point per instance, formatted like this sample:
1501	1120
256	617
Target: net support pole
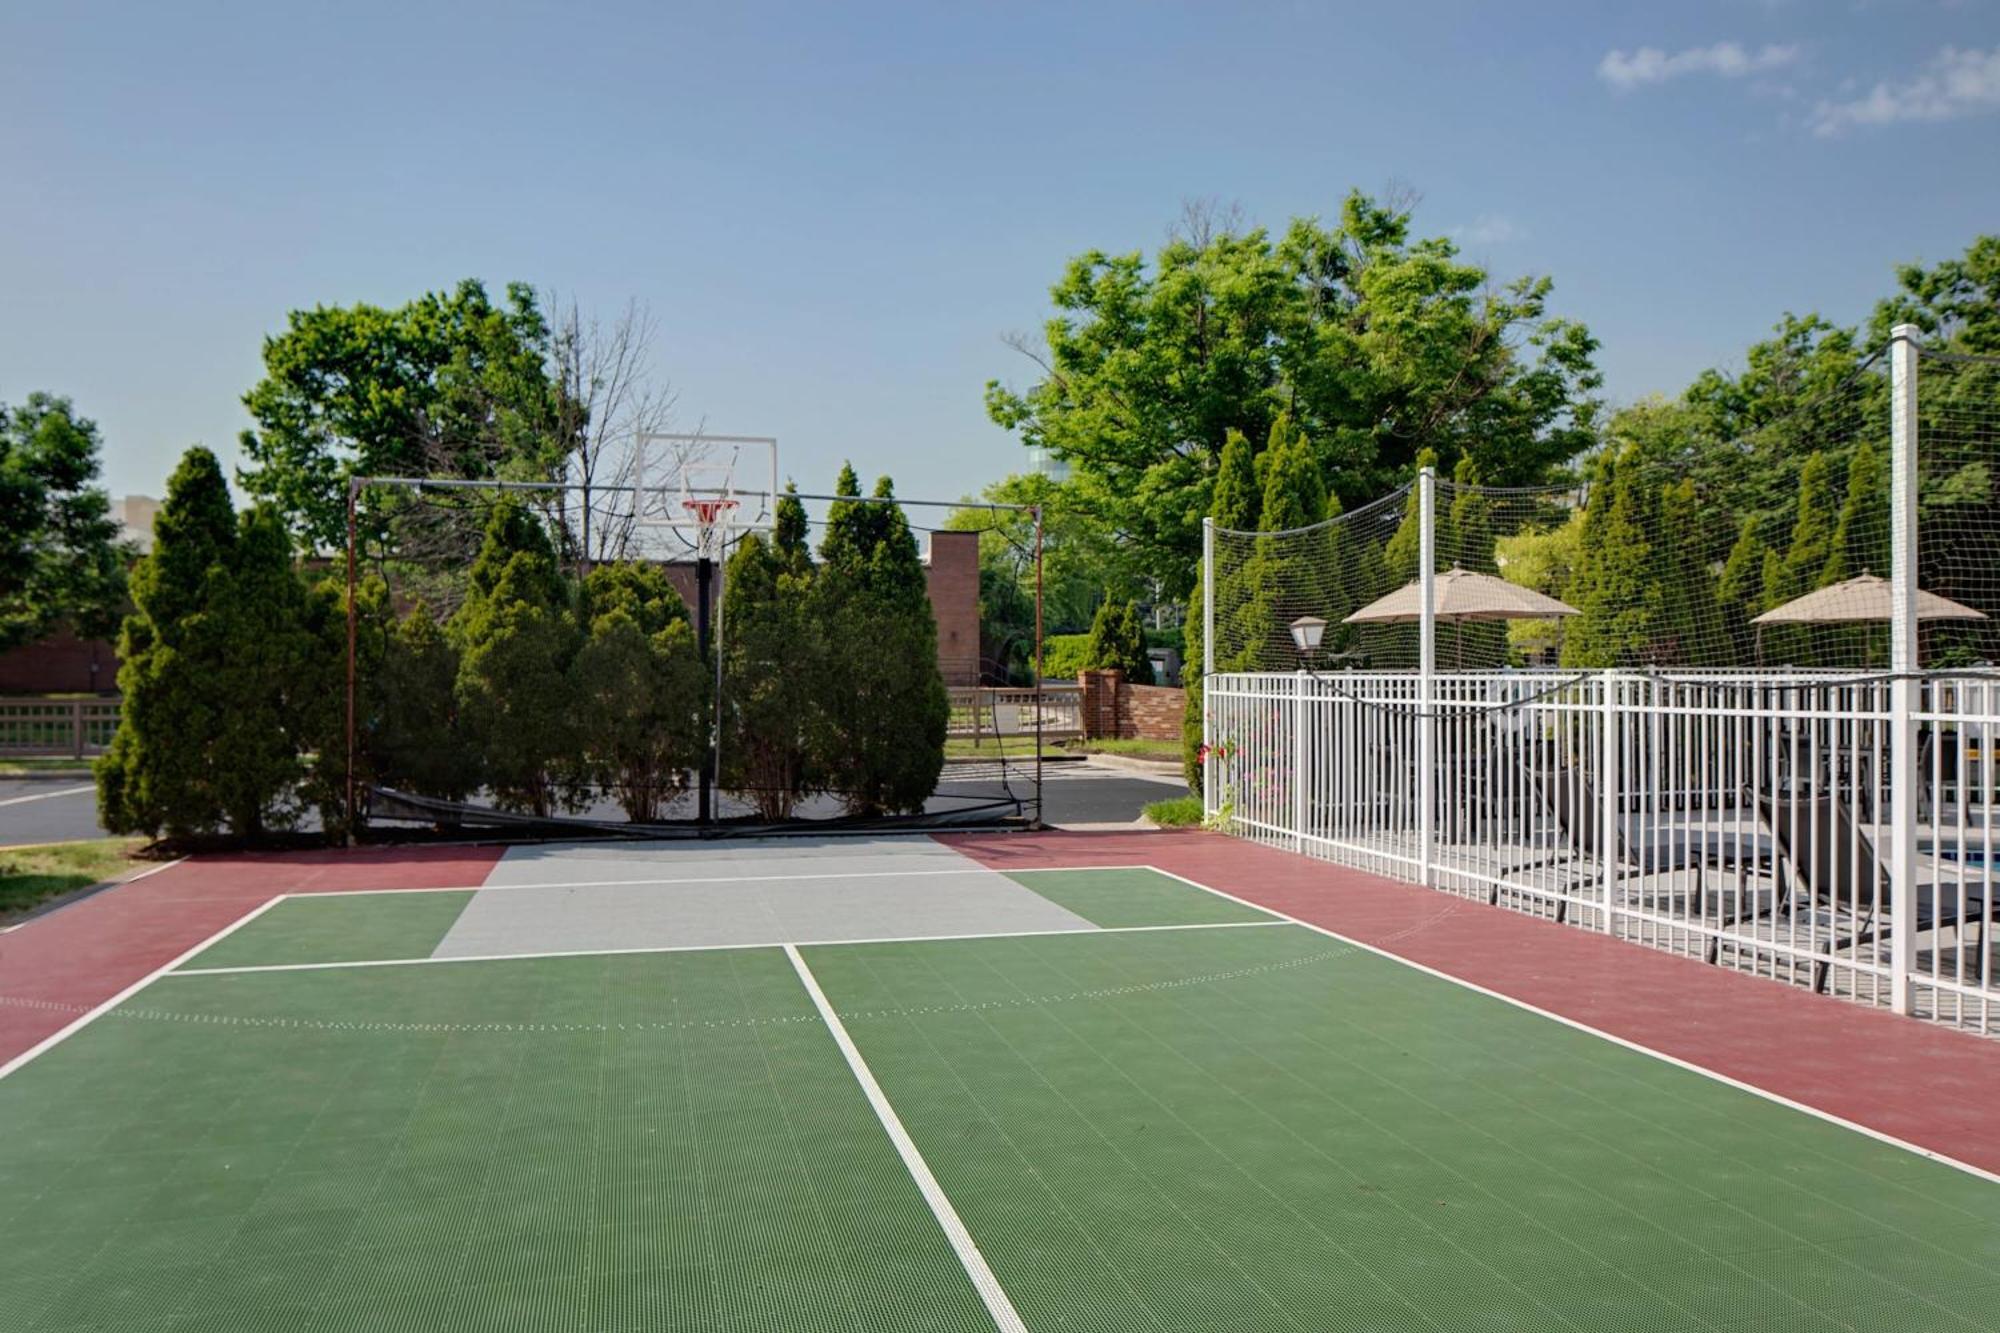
1038	674
353	626
1903	664
1427	677
1207	665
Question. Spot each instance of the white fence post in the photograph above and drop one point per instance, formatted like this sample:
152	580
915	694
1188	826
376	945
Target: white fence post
1300	767
1607	814
1426	784
1903	665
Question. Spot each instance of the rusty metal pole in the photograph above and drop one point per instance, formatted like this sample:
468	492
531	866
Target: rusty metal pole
1038	667
352	627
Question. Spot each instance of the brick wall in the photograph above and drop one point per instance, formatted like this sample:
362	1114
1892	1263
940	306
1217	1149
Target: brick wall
952	574
60	664
1113	709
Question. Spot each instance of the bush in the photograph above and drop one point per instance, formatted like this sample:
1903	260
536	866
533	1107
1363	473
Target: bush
1118	641
1179	812
1064	655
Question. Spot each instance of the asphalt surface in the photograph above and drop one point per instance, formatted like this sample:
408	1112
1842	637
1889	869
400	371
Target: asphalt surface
47	809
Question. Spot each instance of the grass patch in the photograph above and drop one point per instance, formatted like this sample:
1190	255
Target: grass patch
32	875
997	747
1139	749
29	768
1180	812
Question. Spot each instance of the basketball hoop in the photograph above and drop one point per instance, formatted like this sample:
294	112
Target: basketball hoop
711	521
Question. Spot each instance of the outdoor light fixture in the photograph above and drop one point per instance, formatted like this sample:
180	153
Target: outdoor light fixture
1307	631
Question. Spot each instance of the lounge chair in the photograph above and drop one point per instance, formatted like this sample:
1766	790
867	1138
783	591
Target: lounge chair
1840	870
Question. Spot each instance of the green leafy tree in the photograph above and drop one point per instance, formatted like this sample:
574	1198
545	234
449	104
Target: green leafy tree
217	662
640	689
451	384
1378	345
887	710
1083	561
60	560
516	637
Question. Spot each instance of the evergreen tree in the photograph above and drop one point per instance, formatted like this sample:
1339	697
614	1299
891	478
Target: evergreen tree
215	674
516	637
1236	500
1118	640
413	740
1614	591
882	746
1132	630
1691	629
1860	542
640	689
1467	542
776	670
1804	562
1741	590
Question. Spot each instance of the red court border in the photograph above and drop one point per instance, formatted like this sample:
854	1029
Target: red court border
1914	1081
58	967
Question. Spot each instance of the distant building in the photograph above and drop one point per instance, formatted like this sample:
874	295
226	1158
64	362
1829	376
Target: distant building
135	515
1043	463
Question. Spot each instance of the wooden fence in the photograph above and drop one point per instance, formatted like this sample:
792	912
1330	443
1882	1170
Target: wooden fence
980	712
56	728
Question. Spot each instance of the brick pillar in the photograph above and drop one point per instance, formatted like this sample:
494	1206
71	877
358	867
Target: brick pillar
1100	691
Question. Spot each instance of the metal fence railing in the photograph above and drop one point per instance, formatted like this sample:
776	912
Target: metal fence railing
56	728
1748	819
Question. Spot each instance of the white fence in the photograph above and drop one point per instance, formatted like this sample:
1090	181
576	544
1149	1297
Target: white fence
1747	819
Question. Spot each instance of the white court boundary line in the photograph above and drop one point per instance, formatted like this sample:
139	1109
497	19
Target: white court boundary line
1581	1026
983	1281
48	795
71	1029
707	948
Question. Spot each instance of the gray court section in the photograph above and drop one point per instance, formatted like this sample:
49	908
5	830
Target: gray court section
591	898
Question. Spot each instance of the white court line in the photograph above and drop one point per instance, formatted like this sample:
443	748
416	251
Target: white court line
47	795
699	879
707	948
72	1028
1611	1037
967	1249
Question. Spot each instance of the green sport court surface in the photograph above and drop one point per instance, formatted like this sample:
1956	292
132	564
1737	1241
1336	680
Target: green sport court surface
1174	1112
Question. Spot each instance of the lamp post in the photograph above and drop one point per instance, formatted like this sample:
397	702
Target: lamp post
1307	633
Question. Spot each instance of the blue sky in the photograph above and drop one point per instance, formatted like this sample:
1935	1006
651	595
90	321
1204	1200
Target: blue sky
836	213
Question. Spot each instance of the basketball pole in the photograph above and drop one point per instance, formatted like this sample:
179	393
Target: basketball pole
704	573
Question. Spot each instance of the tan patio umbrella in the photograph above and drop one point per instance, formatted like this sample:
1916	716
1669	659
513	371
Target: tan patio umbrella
1459	595
1864	599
